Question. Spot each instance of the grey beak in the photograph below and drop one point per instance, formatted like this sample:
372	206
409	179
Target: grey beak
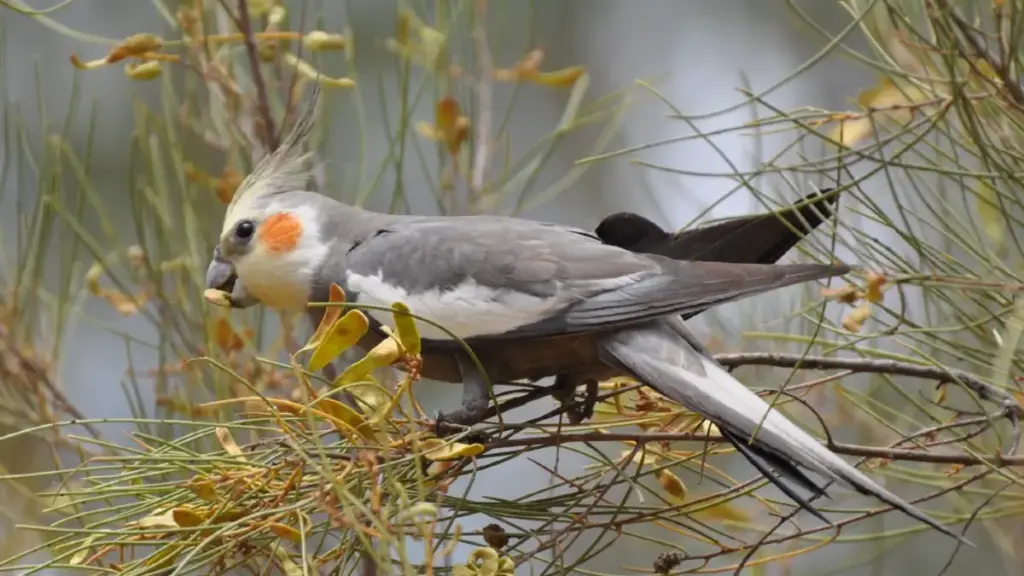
220	275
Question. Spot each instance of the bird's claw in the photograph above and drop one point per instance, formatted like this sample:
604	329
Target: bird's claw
577	411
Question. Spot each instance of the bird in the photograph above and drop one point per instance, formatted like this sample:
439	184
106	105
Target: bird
498	282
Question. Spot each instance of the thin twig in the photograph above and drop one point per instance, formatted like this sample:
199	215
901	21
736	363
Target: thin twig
484	94
837	447
983	390
262	102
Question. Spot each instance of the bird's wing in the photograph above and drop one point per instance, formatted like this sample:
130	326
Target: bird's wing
503	277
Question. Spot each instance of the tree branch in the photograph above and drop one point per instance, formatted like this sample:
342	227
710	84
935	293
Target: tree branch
870	366
901	454
262	102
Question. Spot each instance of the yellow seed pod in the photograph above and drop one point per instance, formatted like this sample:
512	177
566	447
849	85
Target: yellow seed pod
319	40
143	72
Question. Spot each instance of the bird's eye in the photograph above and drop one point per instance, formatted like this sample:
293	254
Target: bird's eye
244	229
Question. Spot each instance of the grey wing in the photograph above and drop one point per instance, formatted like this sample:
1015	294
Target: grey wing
576	282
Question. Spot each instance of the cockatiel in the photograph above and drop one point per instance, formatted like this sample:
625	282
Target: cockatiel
503	283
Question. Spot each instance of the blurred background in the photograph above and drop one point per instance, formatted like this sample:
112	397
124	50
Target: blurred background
698	55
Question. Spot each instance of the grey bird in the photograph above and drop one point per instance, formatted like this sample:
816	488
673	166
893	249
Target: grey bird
499	282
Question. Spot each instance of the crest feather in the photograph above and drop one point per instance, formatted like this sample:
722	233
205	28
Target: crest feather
283	170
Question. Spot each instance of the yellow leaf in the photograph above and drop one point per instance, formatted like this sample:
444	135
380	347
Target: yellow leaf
344	334
226	337
563	78
288	566
204	489
318	40
124	304
405	329
228	442
285	531
135	45
671	483
186	517
92	279
145	71
383	354
876	285
439	450
992	220
331	314
159	519
345	414
883	101
723	511
854	321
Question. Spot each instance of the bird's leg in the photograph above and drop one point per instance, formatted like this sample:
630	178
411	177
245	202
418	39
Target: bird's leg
475	397
564	390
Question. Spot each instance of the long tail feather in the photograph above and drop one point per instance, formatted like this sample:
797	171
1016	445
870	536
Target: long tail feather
666	357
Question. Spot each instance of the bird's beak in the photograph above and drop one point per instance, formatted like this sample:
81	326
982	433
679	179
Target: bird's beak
220	275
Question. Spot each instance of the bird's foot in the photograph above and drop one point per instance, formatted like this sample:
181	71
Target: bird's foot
459	419
476	400
564	390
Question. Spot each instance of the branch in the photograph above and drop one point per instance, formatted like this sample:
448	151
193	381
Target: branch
901	454
983	390
483	89
1001	68
262	102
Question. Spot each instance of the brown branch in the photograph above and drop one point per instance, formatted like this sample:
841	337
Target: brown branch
262	102
837	447
1001	68
983	390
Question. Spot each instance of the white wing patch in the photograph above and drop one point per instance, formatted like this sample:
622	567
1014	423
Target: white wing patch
467	310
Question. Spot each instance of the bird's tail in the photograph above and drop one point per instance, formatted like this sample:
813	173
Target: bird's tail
666	357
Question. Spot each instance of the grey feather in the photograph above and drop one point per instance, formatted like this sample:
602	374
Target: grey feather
591	285
665	356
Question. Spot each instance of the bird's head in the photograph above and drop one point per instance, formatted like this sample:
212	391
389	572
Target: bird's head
270	245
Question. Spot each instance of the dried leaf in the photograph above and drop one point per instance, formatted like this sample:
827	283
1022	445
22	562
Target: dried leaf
724	511
226	338
159	519
876	285
318	40
671	483
124	304
186	517
135	45
405	329
563	78
227	442
145	71
335	296
854	321
886	101
848	294
344	334
306	70
450	125
205	489
436	450
285	532
345	414
384	354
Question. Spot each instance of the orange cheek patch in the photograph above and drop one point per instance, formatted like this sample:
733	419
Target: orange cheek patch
280	233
